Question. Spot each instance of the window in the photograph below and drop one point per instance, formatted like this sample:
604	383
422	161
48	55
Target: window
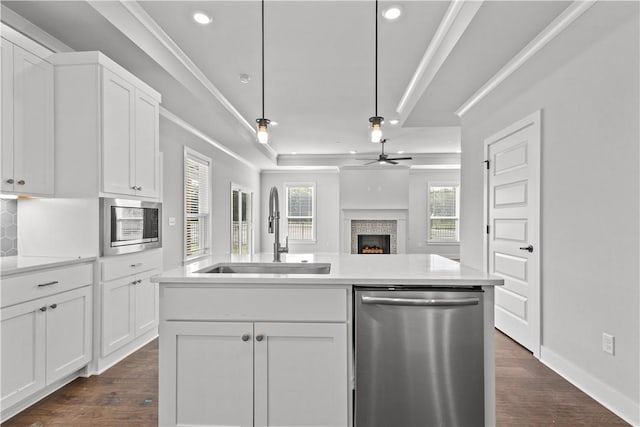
444	212
197	216
241	221
300	211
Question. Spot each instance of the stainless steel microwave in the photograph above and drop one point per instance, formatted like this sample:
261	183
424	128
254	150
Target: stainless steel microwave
129	226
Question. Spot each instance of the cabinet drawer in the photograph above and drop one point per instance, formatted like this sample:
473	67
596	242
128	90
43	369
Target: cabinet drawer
254	304
125	265
39	284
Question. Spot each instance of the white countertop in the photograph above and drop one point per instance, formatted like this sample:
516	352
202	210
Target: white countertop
10	265
346	269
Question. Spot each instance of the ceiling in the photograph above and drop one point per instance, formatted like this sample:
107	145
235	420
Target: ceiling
319	66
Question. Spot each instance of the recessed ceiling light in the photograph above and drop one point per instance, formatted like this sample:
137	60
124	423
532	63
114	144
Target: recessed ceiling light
401	152
352	151
273	123
392	12
244	78
201	18
294	153
394	121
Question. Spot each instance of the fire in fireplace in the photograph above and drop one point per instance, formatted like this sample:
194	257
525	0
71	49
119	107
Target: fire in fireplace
374	243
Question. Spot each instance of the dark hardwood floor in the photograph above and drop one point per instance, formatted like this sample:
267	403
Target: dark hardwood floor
527	394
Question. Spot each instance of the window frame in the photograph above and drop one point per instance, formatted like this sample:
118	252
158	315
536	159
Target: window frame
251	243
431	184
314	227
189	152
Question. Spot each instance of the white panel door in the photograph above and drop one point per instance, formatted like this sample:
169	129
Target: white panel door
32	123
146	146
206	374
7	116
146	297
23	353
301	374
69	329
118	314
513	241
117	134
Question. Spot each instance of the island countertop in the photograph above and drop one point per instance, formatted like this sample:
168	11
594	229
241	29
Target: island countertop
346	269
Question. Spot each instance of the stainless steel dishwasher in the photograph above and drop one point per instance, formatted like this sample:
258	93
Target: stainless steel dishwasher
419	357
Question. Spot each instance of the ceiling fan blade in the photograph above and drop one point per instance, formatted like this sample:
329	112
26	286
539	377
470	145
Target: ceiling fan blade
362	160
370	163
391	161
400	158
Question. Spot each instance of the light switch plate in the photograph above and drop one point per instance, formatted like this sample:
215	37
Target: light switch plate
172	221
608	343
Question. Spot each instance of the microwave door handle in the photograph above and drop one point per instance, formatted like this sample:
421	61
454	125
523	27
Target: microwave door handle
424	302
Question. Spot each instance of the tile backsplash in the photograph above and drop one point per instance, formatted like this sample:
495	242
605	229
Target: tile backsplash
8	227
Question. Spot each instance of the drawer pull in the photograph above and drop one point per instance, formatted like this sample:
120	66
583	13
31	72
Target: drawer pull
21	182
42	285
138	264
43	308
53	306
259	337
246	337
10	181
135	282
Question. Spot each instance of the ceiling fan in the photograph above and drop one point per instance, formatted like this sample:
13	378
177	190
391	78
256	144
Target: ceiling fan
384	159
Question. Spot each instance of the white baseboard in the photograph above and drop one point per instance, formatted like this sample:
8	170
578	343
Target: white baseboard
616	402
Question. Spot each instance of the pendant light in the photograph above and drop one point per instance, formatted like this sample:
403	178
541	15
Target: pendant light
376	121
263	134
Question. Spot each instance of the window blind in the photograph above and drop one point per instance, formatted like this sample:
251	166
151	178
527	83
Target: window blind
197	204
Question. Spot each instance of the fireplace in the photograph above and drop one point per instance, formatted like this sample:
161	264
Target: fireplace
368	222
374	243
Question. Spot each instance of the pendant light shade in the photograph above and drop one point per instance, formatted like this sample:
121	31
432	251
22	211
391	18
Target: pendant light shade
376	121
263	123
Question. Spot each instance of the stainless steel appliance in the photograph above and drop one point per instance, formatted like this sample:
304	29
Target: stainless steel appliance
419	357
129	226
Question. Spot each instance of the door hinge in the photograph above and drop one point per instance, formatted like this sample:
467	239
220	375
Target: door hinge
487	162
487	229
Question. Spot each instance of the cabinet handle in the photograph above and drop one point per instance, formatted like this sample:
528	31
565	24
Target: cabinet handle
42	285
259	337
10	181
138	264
246	337
21	182
53	306
43	308
135	282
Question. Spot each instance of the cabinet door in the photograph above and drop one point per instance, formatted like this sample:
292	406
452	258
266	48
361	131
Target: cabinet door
7	116
117	134
146	146
146	312
23	353
206	374
69	329
301	374
118	314
33	123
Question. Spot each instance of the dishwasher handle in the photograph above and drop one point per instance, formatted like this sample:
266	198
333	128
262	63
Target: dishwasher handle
420	301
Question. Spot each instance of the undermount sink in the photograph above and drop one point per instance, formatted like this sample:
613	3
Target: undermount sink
268	268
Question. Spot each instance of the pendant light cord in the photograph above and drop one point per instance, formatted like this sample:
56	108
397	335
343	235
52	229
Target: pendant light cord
263	59
376	91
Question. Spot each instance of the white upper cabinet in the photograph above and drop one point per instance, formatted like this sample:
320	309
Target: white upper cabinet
27	121
107	117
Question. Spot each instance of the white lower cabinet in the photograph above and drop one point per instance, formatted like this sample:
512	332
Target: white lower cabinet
262	374
43	341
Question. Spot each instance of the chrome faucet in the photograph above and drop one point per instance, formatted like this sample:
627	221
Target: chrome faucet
274	225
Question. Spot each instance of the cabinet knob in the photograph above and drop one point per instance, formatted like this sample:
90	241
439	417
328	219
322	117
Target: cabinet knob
133	187
259	337
10	181
53	306
139	188
43	308
246	337
21	182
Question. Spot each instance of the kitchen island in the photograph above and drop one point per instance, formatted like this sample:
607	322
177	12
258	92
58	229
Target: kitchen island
277	349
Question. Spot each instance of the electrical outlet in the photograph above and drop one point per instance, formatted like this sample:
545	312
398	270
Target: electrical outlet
172	221
608	343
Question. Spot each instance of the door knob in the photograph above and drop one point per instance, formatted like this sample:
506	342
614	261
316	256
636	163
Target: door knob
259	337
246	337
528	248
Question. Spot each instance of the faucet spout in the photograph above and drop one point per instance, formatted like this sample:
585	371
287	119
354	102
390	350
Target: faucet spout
274	224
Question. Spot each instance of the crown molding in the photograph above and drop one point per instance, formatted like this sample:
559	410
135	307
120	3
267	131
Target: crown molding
136	24
30	30
558	25
455	22
203	136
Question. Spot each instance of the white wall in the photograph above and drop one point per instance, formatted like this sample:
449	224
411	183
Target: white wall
225	170
327	209
419	180
374	188
586	84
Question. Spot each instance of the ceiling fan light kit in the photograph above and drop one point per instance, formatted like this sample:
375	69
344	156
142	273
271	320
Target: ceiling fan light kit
263	123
